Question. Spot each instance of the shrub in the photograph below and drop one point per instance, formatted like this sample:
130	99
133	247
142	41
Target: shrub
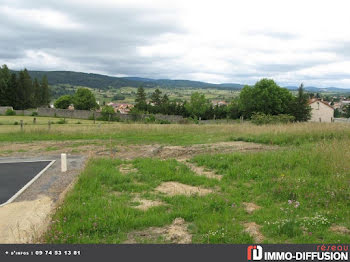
15	123
107	113
64	102
10	112
163	122
136	114
61	121
150	119
34	113
263	119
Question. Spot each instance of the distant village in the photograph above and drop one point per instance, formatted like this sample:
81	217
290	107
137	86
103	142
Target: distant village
321	111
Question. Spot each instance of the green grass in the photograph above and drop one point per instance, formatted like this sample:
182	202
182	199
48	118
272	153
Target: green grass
175	134
93	214
317	176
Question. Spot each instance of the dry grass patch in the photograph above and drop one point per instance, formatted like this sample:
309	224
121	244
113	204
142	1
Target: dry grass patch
175	233
145	204
201	171
176	188
253	229
339	229
127	168
250	207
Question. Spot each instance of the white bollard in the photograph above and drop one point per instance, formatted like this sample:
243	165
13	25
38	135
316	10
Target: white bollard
63	162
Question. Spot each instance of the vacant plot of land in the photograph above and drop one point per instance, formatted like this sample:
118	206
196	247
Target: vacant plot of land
294	195
144	182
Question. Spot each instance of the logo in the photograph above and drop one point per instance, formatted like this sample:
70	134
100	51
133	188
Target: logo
254	252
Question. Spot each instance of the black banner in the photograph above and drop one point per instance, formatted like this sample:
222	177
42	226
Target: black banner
179	253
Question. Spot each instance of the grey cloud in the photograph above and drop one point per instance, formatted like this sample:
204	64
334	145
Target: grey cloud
108	42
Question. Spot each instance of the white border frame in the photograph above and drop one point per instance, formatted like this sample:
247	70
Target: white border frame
30	182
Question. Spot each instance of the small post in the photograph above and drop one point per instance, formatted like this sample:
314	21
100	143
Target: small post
109	117
94	117
34	120
21	121
63	163
49	125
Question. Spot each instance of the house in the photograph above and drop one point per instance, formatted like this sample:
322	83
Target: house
123	108
321	111
219	103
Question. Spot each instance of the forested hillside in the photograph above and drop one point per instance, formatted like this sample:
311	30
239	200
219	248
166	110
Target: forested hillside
104	82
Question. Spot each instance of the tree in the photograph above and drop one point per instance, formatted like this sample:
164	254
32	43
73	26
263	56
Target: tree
64	102
24	91
264	97
141	103
299	107
12	92
156	97
37	93
4	85
45	92
198	105
84	99
233	110
107	113
347	111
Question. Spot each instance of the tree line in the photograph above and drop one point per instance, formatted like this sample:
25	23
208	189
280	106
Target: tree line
265	97
20	91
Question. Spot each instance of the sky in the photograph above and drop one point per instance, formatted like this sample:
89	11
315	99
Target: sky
237	41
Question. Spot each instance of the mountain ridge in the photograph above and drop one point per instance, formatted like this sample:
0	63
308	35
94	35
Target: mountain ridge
100	81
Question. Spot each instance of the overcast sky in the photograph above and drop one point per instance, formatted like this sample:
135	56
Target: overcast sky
291	41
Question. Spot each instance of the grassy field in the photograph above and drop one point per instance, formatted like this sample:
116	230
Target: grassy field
300	191
173	134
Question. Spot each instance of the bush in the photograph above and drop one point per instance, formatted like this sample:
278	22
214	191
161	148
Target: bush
107	113
263	119
15	123
136	114
150	119
163	122
62	121
10	112
34	113
64	102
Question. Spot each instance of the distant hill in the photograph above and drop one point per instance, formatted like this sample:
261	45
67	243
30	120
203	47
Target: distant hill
104	81
319	89
98	81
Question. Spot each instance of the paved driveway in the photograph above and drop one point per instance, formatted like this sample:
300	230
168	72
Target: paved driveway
14	176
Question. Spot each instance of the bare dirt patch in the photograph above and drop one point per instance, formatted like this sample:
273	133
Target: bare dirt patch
201	171
339	229
186	152
253	230
175	233
250	207
24	222
127	168
145	204
176	188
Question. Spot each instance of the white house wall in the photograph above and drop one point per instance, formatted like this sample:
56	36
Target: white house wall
321	112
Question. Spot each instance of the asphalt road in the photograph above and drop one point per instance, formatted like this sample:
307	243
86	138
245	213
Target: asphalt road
14	176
